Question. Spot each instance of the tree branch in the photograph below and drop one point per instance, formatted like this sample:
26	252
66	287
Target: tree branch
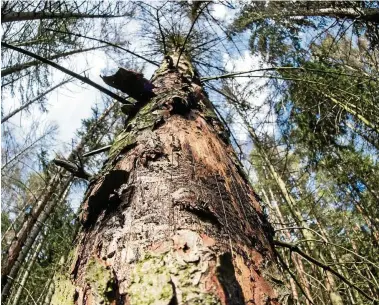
26	105
22	16
105	42
73	74
163	38
295	248
97	151
23	66
231	75
189	32
75	170
293	276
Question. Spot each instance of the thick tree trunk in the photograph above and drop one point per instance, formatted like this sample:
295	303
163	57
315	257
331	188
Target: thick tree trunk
171	219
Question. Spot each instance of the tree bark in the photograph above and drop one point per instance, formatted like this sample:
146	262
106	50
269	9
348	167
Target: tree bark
171	218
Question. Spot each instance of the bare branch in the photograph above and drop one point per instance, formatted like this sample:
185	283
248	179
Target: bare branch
106	42
26	105
295	248
189	32
73	74
23	66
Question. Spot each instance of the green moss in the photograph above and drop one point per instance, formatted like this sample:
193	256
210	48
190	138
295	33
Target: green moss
153	278
64	292
100	279
210	114
123	140
150	283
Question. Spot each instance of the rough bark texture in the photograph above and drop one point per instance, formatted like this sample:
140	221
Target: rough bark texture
171	218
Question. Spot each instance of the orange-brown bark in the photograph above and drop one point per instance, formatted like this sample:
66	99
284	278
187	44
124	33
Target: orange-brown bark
172	216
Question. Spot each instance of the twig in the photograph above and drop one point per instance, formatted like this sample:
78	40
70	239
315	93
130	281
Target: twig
97	151
160	30
230	75
189	32
293	276
106	42
26	105
302	228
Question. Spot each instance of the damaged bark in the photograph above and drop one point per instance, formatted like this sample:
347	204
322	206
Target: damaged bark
171	219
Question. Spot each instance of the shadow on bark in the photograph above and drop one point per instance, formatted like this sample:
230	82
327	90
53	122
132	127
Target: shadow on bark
229	283
106	198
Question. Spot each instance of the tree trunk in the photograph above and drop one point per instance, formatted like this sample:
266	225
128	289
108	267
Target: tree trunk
26	274
30	239
334	295
22	16
295	259
42	208
171	218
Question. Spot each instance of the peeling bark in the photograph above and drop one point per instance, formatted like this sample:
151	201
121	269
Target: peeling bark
171	219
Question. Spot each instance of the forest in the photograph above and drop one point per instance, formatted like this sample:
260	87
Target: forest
190	152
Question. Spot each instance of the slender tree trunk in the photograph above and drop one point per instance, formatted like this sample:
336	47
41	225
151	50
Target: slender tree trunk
171	218
274	217
22	16
296	260
26	274
335	297
41	207
339	268
19	240
50	292
30	239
